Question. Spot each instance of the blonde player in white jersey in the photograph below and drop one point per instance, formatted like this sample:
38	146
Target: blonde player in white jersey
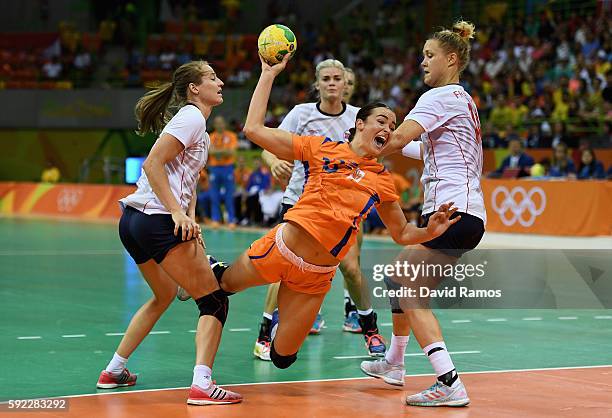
159	231
331	117
446	120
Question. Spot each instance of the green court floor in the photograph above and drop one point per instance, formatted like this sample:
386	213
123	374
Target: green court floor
68	289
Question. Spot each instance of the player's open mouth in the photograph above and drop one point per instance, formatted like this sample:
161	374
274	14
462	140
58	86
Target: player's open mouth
220	93
379	141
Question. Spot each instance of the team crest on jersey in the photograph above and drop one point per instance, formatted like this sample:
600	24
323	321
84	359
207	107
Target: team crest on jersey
357	174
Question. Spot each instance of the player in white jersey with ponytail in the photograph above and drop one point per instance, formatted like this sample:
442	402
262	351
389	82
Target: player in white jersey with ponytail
159	231
331	117
446	120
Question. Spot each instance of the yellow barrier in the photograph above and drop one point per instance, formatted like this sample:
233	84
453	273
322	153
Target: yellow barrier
76	201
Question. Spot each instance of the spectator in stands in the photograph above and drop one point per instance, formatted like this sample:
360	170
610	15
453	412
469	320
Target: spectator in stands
590	168
607	91
221	159
561	164
490	137
558	134
203	202
241	174
83	66
50	174
270	202
167	59
516	164
533	137
52	70
259	180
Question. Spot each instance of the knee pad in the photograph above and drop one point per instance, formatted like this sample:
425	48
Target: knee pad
281	362
214	304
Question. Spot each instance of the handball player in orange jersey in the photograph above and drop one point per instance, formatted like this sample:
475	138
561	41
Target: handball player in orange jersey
343	182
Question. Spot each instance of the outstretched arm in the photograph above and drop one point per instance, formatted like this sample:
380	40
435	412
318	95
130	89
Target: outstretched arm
277	141
406	132
405	233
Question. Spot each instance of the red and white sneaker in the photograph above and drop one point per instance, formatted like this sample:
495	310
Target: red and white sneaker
215	396
110	381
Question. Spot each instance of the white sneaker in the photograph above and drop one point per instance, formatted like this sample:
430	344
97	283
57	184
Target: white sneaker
391	374
182	294
440	395
262	350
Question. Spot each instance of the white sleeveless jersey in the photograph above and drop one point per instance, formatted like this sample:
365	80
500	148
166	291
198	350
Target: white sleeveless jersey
189	127
308	120
452	149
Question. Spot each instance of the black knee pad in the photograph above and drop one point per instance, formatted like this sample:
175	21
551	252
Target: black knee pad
214	304
281	362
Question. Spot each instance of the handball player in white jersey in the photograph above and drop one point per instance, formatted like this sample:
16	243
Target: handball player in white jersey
331	117
159	231
446	120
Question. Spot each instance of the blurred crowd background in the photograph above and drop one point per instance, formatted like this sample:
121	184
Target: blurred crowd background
541	74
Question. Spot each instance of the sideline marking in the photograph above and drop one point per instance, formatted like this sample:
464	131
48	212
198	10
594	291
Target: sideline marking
325	380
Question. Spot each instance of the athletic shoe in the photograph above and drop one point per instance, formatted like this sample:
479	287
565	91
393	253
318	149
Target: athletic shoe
110	381
381	369
218	396
440	395
317	325
218	268
375	344
351	323
182	294
262	349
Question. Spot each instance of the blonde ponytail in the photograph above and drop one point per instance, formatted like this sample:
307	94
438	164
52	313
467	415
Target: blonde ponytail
457	40
464	29
152	109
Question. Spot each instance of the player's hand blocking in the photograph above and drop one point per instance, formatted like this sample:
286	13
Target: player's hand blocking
440	221
281	170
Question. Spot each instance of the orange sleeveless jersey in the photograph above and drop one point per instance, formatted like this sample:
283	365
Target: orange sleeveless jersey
340	190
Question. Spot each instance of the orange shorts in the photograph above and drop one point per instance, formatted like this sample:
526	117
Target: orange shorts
275	262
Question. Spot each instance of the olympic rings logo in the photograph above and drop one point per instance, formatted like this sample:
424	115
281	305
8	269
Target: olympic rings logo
517	202
68	199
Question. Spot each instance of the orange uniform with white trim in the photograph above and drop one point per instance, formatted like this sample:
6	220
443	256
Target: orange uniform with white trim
340	190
